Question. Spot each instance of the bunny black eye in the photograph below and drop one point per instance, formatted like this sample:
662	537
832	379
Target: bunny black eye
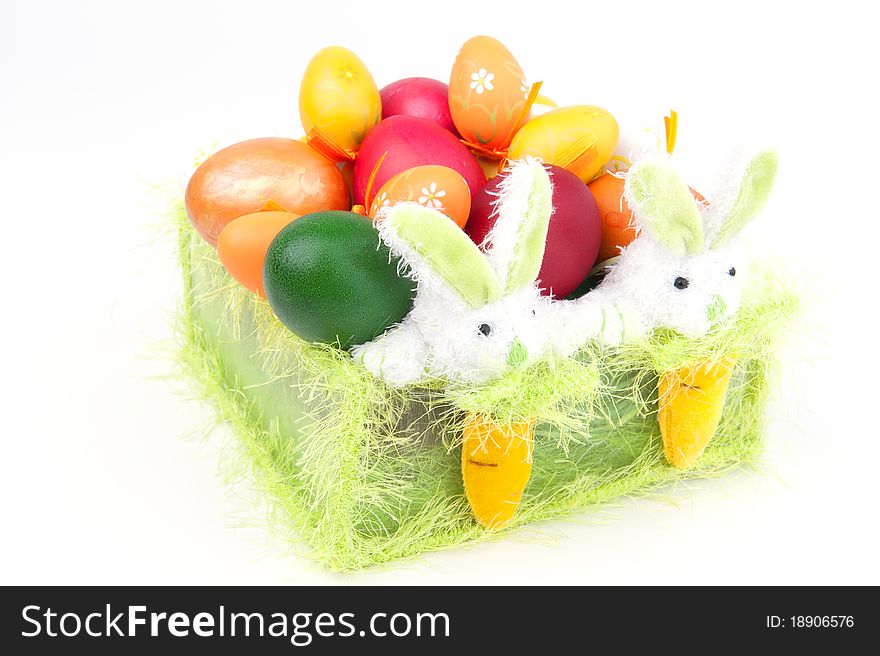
732	272
485	329
681	283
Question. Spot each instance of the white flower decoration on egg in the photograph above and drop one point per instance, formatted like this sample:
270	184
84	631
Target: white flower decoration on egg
431	195
379	202
482	81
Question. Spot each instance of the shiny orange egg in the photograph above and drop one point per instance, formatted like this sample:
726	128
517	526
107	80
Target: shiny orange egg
242	178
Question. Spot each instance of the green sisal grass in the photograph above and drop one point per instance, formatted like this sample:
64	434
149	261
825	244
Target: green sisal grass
364	473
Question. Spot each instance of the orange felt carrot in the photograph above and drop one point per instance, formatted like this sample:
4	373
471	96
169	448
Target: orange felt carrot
496	462
691	401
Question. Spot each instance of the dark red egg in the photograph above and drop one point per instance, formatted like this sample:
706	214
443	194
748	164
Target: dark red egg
572	240
410	142
421	97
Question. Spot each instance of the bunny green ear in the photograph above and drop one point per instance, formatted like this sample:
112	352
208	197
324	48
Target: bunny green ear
515	245
434	246
663	205
748	197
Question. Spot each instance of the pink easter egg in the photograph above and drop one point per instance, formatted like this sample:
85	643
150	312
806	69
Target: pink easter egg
421	97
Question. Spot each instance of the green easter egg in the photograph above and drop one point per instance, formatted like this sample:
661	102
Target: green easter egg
330	279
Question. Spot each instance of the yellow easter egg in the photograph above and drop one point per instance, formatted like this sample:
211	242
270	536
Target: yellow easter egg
437	187
580	139
487	93
339	97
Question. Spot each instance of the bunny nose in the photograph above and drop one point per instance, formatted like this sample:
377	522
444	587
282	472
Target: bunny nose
518	354
717	308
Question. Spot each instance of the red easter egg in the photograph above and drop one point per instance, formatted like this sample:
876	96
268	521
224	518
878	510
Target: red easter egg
572	240
421	97
410	142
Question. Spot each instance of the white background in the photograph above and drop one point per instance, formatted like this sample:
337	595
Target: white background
105	476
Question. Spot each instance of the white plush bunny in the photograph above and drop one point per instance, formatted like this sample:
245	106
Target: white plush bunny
474	314
683	271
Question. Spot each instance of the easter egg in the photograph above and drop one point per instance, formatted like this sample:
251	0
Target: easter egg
580	139
572	239
618	222
437	187
242	178
243	244
410	142
339	97
618	227
421	97
487	93
330	279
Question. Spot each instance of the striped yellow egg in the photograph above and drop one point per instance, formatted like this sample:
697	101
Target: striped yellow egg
580	139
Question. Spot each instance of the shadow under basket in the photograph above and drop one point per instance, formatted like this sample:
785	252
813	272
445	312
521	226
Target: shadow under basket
363	473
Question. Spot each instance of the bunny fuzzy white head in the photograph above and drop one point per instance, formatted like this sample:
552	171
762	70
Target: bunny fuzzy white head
475	313
684	271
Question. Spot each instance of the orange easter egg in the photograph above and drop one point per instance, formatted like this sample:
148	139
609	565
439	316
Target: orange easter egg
243	244
618	227
438	187
618	223
487	93
242	178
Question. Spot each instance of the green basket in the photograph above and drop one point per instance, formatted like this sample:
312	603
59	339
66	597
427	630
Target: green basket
364	473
